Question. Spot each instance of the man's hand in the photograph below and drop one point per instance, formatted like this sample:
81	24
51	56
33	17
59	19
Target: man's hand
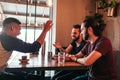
73	57
57	45
48	25
67	58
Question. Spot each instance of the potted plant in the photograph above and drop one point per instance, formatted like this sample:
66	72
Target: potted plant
101	4
112	8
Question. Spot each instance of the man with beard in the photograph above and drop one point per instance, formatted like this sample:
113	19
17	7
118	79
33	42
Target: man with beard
75	46
98	51
77	42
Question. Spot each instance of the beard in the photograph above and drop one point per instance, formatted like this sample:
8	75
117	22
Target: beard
86	35
75	39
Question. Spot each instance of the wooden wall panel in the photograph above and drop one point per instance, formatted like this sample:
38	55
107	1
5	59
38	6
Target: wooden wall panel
70	12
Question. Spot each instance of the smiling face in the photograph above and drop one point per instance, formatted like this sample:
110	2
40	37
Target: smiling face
75	34
84	32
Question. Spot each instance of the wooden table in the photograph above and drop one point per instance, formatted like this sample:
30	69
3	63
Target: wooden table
40	62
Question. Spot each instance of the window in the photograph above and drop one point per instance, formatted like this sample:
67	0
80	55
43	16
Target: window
36	16
30	34
43	13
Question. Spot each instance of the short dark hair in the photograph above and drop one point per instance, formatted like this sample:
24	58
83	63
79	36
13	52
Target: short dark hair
10	20
77	26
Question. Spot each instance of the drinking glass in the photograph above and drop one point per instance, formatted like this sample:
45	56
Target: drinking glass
61	58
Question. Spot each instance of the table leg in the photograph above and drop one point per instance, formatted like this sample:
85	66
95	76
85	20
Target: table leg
42	74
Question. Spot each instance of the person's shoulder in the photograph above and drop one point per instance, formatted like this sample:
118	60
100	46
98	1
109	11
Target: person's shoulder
6	37
105	39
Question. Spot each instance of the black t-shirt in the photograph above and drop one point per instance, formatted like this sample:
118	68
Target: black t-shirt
11	43
76	49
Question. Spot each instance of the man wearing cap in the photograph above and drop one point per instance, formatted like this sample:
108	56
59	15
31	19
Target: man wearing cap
9	41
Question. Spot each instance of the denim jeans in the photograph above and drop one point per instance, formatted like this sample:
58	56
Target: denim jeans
83	77
19	76
68	74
